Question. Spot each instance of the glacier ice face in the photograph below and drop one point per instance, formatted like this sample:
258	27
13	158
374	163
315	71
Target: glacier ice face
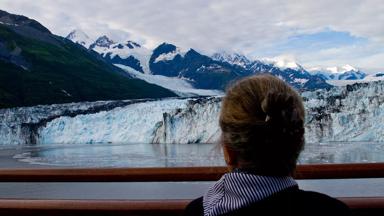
134	123
22	125
16	124
196	123
163	121
351	113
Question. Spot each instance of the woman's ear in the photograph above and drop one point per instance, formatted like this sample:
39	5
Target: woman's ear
230	157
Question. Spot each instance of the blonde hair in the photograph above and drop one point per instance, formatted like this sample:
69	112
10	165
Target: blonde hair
262	121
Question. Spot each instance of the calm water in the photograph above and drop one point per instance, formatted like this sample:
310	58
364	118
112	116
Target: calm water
172	155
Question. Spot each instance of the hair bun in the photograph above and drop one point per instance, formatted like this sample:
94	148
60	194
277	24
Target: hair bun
281	110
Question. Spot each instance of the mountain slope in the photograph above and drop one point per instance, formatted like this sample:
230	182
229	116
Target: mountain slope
37	67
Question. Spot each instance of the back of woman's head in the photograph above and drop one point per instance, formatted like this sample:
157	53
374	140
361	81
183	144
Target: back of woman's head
262	122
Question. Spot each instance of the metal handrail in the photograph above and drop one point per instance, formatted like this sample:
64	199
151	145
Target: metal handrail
364	206
318	171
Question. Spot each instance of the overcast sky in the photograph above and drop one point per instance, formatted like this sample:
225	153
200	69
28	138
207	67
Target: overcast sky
315	33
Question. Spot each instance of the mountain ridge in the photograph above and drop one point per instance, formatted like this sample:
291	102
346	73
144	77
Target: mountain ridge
201	71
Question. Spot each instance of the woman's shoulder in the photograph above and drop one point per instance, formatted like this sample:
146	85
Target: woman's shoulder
316	198
301	202
297	203
195	207
292	201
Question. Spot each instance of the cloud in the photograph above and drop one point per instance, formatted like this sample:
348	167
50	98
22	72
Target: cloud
366	57
246	26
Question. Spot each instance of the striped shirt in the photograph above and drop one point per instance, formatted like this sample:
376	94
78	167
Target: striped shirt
236	190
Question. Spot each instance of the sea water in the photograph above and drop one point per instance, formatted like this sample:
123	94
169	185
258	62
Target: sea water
179	155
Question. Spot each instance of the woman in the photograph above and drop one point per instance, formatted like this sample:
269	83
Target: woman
262	123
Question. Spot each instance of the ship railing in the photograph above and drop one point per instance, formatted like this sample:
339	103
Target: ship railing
359	205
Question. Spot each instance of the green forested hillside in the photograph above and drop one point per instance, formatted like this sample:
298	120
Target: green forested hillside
55	70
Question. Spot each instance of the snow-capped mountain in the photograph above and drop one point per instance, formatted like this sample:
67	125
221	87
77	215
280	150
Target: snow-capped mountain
170	55
101	44
346	72
128	53
283	63
80	37
134	59
201	71
234	59
282	67
197	70
342	69
349	113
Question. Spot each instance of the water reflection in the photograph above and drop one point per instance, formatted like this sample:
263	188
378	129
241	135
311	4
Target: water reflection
173	155
124	155
343	152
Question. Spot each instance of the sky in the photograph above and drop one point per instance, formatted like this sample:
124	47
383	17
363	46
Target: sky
312	32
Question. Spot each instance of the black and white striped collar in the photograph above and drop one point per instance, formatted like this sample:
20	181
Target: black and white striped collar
236	190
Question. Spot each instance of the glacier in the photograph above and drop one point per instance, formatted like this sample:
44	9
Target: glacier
351	113
21	125
163	121
178	85
348	113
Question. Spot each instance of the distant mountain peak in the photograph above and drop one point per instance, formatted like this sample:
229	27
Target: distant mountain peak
342	69
283	62
131	44
162	50
335	69
128	52
166	47
168	56
233	58
348	67
102	41
80	37
77	32
345	72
